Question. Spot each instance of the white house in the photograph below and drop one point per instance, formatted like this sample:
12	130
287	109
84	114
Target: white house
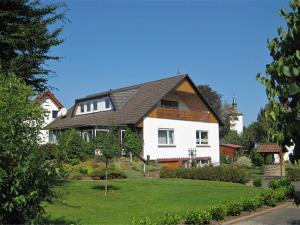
52	106
171	115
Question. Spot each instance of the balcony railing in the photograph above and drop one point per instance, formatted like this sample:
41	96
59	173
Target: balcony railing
179	114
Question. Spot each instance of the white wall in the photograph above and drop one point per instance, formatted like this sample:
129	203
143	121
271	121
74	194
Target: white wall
237	125
48	105
184	138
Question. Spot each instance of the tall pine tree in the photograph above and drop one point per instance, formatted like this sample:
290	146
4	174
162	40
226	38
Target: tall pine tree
26	38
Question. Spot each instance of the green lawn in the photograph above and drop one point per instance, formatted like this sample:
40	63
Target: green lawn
84	201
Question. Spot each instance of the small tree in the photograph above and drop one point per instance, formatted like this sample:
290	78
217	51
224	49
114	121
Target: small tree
132	142
27	177
109	145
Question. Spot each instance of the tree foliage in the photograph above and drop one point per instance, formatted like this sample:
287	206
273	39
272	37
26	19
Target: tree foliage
27	178
282	79
26	37
212	97
132	141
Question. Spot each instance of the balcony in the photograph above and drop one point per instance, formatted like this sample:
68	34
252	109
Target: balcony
179	114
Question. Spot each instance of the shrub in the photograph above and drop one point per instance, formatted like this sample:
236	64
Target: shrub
111	174
234	208
75	176
198	217
257	181
293	174
278	183
244	161
219	173
83	170
268	197
139	221
256	158
170	219
48	151
218	212
250	204
167	173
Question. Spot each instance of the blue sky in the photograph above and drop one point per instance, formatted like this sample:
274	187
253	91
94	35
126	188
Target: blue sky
111	44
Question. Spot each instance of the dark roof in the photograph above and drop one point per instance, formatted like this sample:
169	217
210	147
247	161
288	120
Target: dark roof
131	104
231	145
271	148
49	94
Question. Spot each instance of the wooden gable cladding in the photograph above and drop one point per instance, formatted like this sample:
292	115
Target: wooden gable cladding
186	87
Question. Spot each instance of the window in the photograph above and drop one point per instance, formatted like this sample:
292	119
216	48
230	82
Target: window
107	103
82	108
122	135
54	114
87	135
95	105
165	136
201	137
88	107
169	104
100	132
52	138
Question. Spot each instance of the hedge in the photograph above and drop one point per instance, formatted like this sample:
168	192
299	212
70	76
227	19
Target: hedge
294	174
219	173
279	190
111	174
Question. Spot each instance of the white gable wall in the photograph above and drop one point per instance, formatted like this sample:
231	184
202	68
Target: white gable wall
48	105
184	138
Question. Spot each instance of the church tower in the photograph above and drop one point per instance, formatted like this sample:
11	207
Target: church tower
236	118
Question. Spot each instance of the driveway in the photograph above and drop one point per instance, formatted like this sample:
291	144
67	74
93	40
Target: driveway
288	215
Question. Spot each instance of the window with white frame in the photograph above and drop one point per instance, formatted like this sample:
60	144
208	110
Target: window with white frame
88	107
87	135
82	108
99	132
122	135
165	136
107	103
201	137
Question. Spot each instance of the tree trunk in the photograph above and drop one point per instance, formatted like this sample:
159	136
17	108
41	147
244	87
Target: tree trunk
106	163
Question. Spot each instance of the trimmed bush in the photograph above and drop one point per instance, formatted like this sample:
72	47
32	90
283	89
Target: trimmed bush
244	161
112	174
234	208
268	197
293	174
198	217
219	173
250	204
278	183
170	219
218	212
257	182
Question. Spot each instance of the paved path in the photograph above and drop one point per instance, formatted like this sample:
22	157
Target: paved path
288	215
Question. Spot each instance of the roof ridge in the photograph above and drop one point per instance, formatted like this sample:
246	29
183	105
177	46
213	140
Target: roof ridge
128	87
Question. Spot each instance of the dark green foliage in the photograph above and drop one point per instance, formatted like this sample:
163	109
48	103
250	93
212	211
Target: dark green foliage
218	212
250	204
212	97
26	39
49	151
170	219
198	217
282	80
256	158
294	174
219	173
278	183
72	148
132	141
268	197
257	181
27	176
111	174
234	208
83	170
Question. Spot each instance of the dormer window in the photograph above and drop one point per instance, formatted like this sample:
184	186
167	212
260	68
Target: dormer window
82	108
54	114
88	107
107	103
95	105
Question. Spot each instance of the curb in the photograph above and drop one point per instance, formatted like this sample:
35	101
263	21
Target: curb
255	214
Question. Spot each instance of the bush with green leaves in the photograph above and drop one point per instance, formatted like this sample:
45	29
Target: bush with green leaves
218	173
218	212
293	174
257	181
268	197
49	151
250	204
256	158
234	208
111	174
198	217
27	176
142	221
170	219
244	162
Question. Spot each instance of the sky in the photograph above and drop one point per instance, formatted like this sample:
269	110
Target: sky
112	44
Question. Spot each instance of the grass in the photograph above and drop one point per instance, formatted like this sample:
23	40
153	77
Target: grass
85	202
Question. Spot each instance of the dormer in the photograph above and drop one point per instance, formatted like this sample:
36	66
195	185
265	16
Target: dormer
93	105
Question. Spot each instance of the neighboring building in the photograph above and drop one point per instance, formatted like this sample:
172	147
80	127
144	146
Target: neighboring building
171	115
229	150
236	118
52	106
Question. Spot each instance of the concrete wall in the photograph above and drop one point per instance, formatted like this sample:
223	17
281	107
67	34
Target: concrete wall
184	138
